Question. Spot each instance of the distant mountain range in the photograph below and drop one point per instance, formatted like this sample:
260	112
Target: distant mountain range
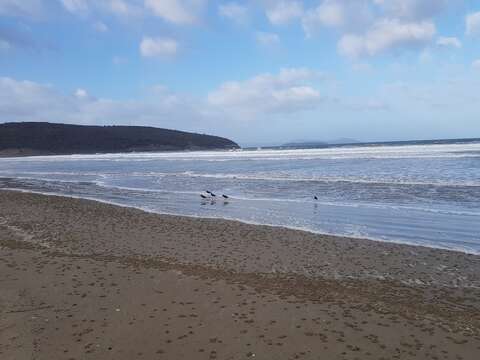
343	141
318	144
42	138
351	142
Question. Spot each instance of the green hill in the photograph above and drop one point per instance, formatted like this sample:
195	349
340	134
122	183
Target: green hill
37	138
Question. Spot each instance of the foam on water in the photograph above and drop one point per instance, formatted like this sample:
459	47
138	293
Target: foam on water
354	152
421	194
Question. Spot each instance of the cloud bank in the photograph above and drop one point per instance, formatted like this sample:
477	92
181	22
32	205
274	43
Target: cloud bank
286	92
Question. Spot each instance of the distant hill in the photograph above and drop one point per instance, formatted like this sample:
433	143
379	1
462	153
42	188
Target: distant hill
36	138
343	141
305	144
354	143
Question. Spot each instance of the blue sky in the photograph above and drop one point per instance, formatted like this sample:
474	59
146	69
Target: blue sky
257	71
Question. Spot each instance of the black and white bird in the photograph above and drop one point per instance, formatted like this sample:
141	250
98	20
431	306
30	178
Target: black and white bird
225	196
208	192
203	196
211	193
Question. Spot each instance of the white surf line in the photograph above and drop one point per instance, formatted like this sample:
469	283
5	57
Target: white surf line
462	250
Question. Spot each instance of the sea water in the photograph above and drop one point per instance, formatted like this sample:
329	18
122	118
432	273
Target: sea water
418	194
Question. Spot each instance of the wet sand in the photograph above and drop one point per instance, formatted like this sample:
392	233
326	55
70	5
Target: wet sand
84	280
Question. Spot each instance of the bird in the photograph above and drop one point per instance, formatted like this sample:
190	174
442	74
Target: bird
315	197
211	193
208	192
203	196
225	196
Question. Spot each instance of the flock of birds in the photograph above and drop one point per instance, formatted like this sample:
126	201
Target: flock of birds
211	195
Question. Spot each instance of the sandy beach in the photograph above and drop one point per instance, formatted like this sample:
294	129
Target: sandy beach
81	279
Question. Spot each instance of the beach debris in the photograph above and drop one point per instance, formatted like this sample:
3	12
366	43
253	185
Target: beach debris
315	197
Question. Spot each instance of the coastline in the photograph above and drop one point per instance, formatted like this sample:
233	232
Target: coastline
426	299
463	250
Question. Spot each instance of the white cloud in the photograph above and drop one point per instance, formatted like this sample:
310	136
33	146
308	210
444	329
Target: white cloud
81	94
285	92
23	8
288	92
121	8
412	9
385	35
234	11
283	11
26	100
371	27
267	39
472	23
329	13
177	11
351	15
425	57
100	27
352	45
30	101
4	45
449	42
476	64
158	47
75	6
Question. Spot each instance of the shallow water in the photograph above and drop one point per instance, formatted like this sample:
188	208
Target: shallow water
420	194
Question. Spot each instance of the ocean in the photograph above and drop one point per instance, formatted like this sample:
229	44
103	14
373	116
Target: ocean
422	194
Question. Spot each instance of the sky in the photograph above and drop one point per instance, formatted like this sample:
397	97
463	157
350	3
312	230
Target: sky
256	71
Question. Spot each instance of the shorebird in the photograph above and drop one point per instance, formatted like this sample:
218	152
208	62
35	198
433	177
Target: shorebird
225	196
212	194
208	192
315	197
203	196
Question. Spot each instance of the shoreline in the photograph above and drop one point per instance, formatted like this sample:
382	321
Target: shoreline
306	230
84	278
282	239
180	151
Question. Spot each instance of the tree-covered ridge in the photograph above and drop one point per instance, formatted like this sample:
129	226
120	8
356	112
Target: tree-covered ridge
31	138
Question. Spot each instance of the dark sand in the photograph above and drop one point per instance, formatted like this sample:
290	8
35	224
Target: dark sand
85	280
